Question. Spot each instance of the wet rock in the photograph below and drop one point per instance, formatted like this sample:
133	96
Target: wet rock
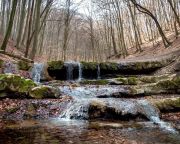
25	66
13	83
41	92
140	80
121	109
89	70
94	82
55	65
167	104
170	86
15	86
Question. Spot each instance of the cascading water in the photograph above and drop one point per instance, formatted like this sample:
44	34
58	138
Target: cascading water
9	67
98	72
37	72
84	96
153	116
70	66
77	109
80	71
69	69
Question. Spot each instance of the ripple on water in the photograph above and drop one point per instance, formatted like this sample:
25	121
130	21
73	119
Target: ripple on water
57	131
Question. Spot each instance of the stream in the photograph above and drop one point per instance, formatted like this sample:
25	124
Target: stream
88	119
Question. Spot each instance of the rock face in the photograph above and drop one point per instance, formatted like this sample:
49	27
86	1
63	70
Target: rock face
41	92
16	86
58	69
167	104
122	109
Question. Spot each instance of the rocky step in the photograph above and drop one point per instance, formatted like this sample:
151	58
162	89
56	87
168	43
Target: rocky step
58	69
15	86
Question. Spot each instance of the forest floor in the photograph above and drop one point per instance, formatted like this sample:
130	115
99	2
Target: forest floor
150	51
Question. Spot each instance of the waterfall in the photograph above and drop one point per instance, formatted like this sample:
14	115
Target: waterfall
98	72
80	71
10	67
153	115
70	66
37	72
77	109
69	69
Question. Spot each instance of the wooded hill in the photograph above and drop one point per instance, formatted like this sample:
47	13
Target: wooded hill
58	30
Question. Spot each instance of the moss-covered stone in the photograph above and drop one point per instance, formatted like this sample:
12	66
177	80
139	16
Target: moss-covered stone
89	65
109	66
128	80
55	65
167	104
10	83
15	83
173	84
95	82
41	92
24	65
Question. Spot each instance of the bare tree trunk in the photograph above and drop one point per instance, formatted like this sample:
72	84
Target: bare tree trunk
10	25
37	27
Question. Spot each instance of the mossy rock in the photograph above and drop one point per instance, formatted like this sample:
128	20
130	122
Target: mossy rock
55	65
15	83
89	65
24	65
109	66
128	81
95	82
167	104
173	84
148	79
41	92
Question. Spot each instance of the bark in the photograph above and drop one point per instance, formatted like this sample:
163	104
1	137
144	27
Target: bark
10	25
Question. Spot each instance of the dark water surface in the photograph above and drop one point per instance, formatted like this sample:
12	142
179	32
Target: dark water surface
56	131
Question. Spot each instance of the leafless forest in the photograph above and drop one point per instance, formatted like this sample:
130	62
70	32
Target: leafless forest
87	30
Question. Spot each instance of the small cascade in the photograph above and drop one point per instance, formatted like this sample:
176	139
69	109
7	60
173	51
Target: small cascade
153	115
80	71
37	72
10	68
77	109
69	69
98	72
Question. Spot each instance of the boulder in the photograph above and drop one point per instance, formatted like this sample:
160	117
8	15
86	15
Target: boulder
41	92
167	104
11	83
25	66
16	86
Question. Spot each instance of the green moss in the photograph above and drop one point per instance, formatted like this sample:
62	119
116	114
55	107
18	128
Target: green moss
122	80
55	65
168	103
109	66
15	83
128	81
41	92
168	85
95	82
132	81
148	79
24	65
89	65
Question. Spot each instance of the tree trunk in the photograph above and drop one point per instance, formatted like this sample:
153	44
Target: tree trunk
10	25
